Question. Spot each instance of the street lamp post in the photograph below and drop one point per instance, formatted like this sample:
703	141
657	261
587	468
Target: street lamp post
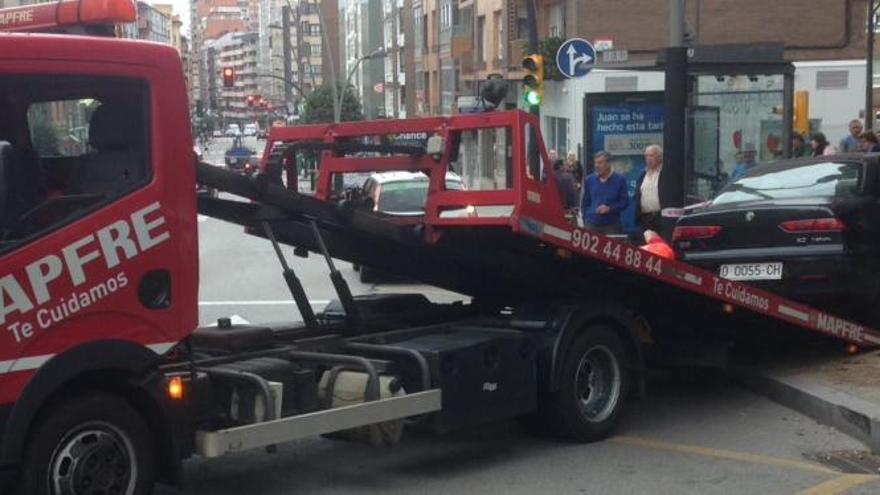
337	104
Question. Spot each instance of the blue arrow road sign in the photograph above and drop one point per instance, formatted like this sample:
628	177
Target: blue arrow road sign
575	57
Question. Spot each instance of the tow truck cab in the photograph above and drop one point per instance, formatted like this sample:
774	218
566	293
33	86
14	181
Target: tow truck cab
98	253
98	296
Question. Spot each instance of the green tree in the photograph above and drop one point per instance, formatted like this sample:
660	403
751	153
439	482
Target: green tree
44	135
319	106
547	48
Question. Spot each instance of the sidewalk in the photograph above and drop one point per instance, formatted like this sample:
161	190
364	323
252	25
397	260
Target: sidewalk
833	388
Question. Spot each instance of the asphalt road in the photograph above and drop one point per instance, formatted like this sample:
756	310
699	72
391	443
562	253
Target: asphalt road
691	435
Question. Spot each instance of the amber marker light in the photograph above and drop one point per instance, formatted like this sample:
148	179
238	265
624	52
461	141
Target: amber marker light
175	388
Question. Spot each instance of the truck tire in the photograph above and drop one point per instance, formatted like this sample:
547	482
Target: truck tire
90	445
593	386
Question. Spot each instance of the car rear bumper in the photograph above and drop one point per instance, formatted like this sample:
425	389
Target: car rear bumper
809	278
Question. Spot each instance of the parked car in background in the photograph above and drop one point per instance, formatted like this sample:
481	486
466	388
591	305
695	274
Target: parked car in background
806	229
250	130
402	194
232	130
262	134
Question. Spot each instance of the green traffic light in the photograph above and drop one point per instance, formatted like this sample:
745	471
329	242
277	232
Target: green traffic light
532	98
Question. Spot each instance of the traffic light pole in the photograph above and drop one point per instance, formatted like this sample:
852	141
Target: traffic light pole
534	162
532	12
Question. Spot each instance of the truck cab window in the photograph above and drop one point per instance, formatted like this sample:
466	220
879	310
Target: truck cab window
65	151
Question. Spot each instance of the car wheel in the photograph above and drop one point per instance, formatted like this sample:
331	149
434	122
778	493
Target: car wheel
91	444
593	386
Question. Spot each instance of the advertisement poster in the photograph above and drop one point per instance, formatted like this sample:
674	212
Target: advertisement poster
624	128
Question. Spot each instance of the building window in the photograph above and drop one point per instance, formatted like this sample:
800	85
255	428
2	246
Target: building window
481	38
832	79
315	50
556	15
556	133
499	38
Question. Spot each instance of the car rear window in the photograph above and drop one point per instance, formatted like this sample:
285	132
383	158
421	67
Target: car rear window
403	196
826	179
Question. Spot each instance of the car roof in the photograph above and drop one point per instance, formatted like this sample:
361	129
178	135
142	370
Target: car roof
788	164
398	176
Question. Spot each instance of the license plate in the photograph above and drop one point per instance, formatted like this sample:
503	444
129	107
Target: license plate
752	271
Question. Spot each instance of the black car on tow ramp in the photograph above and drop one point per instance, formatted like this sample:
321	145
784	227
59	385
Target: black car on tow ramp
806	229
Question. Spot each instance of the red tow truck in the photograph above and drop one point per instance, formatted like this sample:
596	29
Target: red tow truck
106	381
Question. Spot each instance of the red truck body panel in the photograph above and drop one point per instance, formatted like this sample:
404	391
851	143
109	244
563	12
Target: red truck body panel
94	296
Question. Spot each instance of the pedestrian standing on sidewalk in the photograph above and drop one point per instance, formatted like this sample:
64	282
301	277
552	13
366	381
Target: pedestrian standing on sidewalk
819	143
799	147
604	197
565	185
647	195
575	167
869	142
852	142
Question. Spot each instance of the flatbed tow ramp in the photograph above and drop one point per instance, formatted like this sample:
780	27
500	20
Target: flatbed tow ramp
529	252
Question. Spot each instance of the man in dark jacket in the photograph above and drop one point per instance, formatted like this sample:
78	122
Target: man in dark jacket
566	185
647	195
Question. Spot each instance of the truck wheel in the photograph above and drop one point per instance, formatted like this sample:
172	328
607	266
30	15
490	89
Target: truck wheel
592	389
97	444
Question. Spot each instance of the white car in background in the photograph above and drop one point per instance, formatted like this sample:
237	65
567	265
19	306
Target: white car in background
405	193
250	130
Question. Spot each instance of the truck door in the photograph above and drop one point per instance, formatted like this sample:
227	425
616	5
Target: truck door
87	246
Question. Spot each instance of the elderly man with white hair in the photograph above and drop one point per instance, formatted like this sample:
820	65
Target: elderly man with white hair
647	197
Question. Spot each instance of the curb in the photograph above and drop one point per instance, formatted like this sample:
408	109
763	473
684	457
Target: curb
846	413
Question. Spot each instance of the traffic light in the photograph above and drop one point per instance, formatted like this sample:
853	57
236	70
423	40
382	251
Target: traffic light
802	112
228	77
533	82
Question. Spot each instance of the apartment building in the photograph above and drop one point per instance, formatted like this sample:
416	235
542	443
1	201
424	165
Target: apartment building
362	25
153	24
271	51
239	51
209	20
393	33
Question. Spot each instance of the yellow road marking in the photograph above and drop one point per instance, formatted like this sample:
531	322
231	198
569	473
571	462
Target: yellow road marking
723	454
839	485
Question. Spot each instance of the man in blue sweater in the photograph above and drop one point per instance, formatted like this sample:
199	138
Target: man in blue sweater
604	197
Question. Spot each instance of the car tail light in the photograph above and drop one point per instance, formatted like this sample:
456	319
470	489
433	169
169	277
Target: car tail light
813	225
693	232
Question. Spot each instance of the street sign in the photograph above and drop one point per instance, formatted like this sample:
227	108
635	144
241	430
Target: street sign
575	57
615	56
379	88
602	44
